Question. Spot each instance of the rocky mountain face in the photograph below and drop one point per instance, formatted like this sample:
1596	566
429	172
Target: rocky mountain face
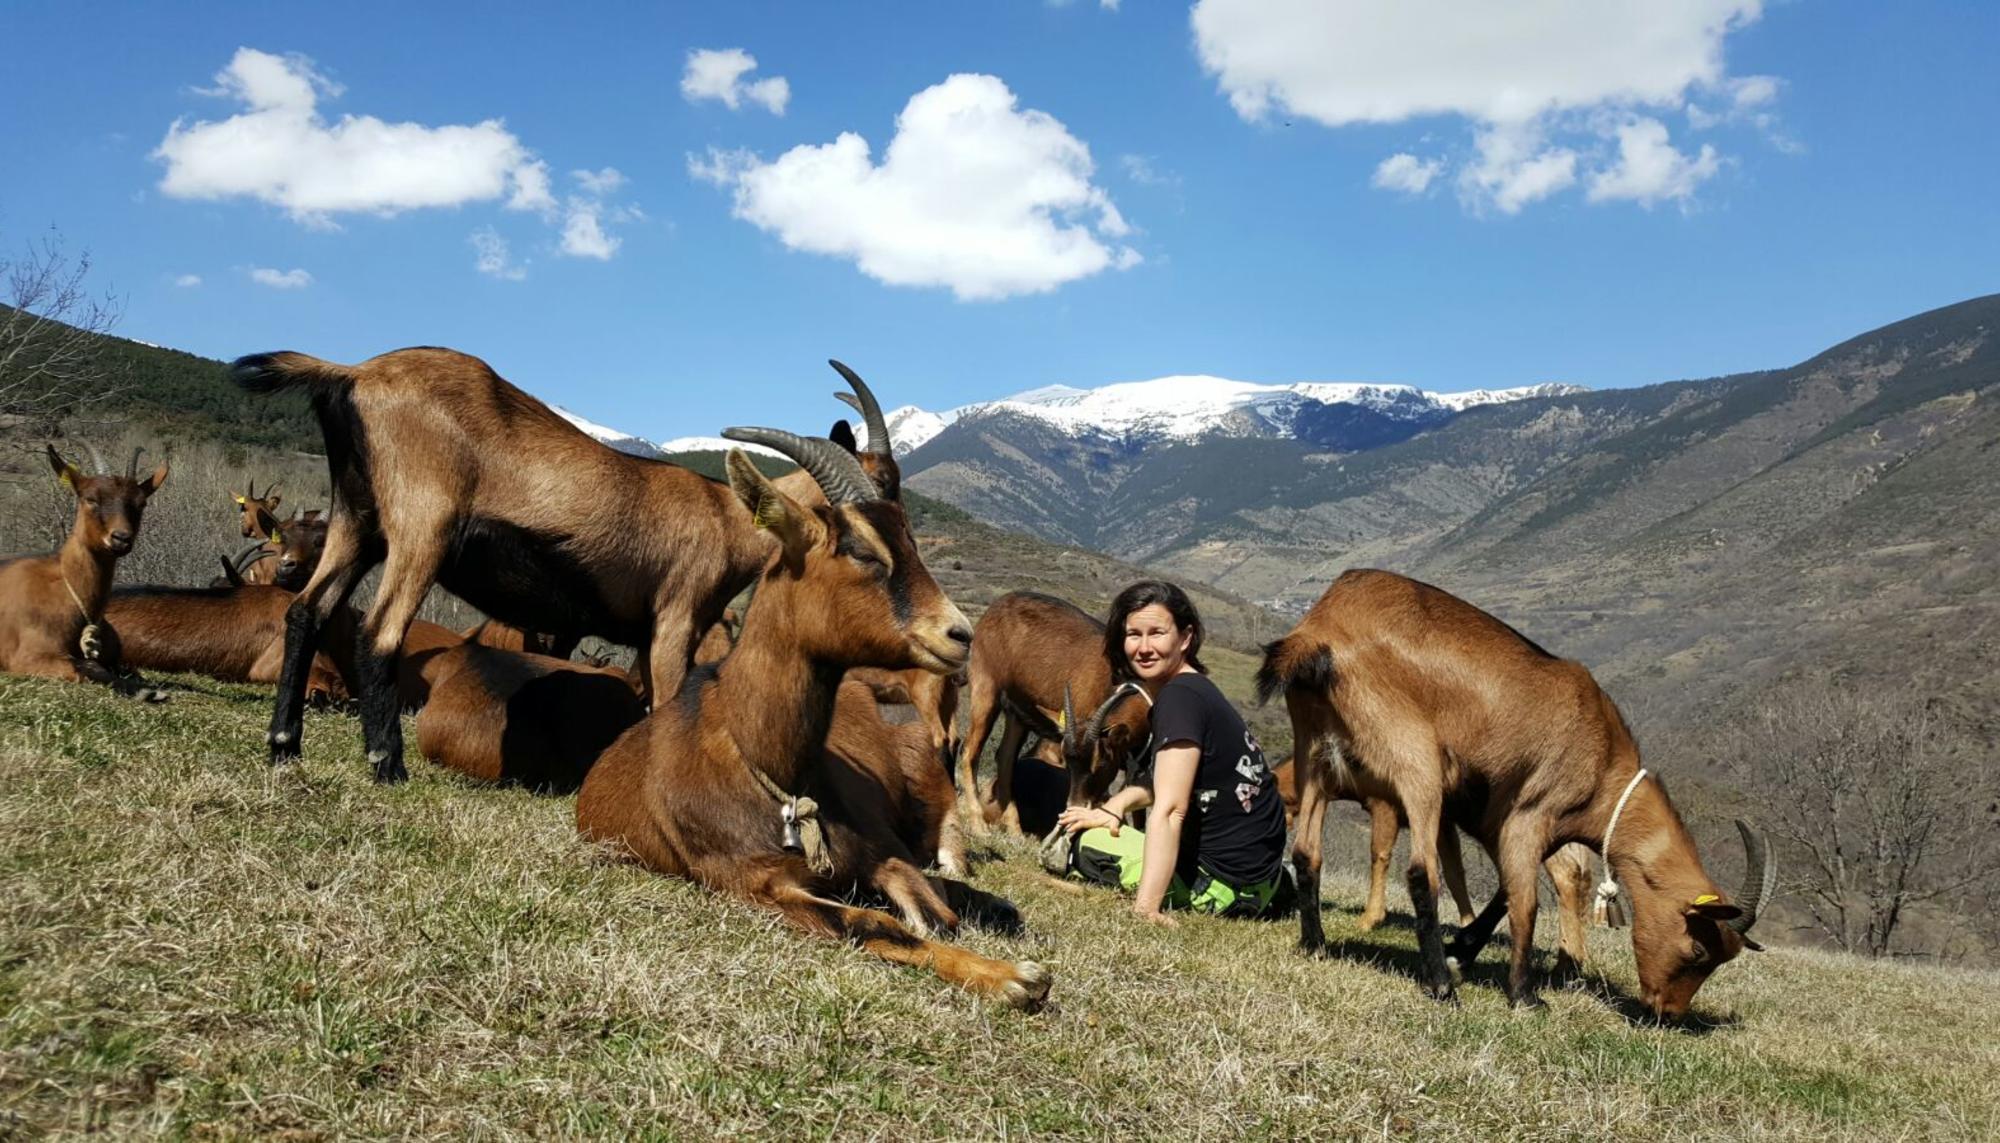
1688	537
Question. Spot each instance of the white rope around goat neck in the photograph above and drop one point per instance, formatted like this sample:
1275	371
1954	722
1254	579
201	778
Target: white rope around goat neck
1607	890
89	642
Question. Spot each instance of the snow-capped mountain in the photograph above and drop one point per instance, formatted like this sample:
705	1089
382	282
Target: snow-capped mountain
623	442
1192	407
1165	409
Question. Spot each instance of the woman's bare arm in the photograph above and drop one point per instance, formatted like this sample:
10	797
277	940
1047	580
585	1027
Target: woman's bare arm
1173	788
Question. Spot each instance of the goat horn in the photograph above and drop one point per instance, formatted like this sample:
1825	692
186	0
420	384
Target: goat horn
1118	693
863	401
1760	875
97	459
836	472
257	549
1069	712
132	468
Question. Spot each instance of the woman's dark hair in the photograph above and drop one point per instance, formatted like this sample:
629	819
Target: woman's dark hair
1145	593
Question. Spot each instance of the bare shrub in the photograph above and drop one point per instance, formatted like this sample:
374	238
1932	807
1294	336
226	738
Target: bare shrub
1885	800
50	323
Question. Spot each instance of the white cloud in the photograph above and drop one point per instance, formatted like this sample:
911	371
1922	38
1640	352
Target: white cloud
493	258
1515	166
280	279
1141	169
1650	169
973	194
712	74
1407	173
280	150
1520	73
583	237
188	281
600	183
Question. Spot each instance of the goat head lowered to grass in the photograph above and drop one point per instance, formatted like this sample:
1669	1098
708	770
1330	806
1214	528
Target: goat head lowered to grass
1441	703
725	783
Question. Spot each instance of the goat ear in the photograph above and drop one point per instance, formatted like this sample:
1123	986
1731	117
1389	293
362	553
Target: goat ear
1713	908
65	471
771	509
842	434
265	525
152	483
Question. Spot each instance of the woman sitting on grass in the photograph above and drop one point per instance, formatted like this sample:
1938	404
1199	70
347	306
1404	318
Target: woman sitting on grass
1217	837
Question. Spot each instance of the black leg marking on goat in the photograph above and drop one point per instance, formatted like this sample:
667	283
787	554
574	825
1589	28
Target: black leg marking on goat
1472	939
1430	943
1312	932
288	713
381	711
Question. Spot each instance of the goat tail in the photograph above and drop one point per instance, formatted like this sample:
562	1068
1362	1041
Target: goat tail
1297	660
271	372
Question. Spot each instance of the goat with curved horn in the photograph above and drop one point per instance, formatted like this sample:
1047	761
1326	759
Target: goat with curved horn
836	471
1760	877
132	466
863	401
97	459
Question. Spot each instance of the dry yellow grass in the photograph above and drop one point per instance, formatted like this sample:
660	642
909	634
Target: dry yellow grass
193	944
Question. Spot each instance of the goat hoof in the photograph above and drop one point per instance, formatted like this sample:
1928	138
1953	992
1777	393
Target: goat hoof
1457	974
1444	992
1530	1003
1030	988
1367	921
388	769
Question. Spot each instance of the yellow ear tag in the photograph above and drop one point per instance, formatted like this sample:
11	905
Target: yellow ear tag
1707	899
277	537
239	502
1062	720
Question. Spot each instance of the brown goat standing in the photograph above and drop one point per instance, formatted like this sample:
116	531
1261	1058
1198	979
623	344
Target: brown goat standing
51	605
1040	660
1461	716
482	499
726	783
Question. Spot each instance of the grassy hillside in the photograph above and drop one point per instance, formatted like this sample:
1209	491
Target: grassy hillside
195	945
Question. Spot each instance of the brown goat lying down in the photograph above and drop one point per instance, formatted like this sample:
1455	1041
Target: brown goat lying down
522	719
880	761
727	783
52	606
236	634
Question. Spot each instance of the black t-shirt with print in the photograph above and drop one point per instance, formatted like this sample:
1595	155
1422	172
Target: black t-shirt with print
1235	826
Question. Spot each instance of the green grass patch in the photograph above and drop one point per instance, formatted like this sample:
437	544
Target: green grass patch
193	944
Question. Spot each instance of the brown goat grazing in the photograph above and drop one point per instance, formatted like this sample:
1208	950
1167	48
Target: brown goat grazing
482	498
1466	720
1040	660
522	719
233	633
248	503
497	635
726	783
51	606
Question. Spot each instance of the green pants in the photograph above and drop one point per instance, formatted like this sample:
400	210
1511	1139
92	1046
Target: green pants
1118	860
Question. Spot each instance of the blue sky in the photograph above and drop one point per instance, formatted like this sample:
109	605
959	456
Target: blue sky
1583	194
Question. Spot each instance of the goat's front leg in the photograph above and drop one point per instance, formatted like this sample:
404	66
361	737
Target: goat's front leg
1022	984
126	684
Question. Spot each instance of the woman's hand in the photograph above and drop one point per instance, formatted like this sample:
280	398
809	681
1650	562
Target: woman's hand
1156	917
1076	819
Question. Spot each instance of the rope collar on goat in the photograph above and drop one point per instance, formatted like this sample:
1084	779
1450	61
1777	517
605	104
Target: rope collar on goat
87	641
798	816
1607	890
